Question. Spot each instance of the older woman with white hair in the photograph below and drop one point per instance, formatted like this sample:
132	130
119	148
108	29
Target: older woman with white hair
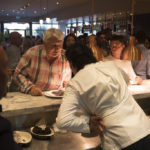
44	67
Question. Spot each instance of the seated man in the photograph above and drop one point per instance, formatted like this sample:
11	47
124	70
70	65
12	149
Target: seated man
100	89
6	136
44	67
117	46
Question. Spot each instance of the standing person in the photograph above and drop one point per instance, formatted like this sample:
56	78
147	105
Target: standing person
6	136
142	67
100	89
13	51
44	67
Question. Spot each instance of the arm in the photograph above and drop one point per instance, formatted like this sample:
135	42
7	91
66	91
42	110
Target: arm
66	74
67	116
22	73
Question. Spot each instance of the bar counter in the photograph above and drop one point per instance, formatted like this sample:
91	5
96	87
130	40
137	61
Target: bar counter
24	110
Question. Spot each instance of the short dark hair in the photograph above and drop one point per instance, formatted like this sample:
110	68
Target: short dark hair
140	36
80	55
119	38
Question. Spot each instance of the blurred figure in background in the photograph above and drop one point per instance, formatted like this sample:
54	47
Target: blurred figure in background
102	42
27	43
44	67
147	42
142	67
69	40
82	39
13	51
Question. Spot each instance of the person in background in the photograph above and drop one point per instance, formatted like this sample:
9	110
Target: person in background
147	42
117	45
102	42
38	40
27	43
5	43
13	51
44	67
99	89
142	67
6	135
69	40
82	39
98	52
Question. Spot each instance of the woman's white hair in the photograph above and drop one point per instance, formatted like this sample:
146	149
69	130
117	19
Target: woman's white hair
53	33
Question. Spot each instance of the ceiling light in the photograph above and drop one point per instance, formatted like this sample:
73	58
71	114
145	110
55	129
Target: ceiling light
57	3
35	11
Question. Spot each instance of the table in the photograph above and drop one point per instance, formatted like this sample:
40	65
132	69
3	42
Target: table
23	110
140	91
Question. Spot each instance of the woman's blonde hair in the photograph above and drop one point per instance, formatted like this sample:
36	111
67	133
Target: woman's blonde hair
97	52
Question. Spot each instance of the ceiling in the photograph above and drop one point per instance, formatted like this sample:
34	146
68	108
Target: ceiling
33	10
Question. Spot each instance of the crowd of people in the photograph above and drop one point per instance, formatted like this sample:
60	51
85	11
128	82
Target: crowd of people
103	97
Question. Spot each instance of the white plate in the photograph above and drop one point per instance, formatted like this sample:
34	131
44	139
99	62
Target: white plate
41	136
51	94
22	137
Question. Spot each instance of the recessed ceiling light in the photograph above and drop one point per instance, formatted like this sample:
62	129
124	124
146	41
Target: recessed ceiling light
35	11
57	3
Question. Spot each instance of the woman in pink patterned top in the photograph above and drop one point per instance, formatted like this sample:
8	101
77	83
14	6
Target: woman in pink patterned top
44	67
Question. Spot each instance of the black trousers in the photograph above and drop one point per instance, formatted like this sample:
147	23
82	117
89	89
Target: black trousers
143	144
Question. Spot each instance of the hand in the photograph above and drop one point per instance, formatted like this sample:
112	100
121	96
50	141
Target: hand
35	91
138	80
96	124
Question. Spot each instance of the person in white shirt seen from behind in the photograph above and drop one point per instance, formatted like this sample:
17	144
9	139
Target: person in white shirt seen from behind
99	89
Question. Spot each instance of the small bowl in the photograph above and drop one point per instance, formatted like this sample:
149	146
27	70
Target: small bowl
22	137
42	136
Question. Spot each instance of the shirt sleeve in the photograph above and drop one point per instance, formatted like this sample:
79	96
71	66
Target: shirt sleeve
21	73
71	115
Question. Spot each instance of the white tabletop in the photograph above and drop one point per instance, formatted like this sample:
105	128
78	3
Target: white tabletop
140	91
19	103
